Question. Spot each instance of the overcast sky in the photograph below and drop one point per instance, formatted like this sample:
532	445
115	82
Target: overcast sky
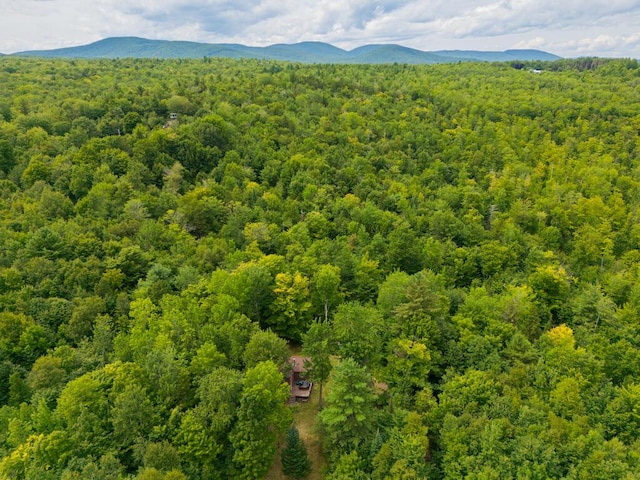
569	28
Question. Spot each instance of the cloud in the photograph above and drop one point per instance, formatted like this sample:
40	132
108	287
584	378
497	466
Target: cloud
537	42
264	18
571	26
513	16
604	45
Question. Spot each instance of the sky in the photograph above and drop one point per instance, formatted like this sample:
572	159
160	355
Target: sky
569	28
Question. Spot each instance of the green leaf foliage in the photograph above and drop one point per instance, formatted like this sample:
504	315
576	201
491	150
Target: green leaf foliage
454	249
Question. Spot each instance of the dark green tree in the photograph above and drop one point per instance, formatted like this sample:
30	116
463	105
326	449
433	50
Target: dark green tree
295	461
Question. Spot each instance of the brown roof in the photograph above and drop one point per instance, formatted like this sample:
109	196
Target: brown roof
297	363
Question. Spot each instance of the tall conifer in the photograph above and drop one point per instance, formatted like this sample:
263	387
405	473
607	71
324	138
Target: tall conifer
295	461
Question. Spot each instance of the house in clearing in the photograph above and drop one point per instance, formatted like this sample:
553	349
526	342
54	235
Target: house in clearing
173	119
299	386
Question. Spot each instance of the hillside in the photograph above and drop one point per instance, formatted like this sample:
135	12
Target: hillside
506	56
305	52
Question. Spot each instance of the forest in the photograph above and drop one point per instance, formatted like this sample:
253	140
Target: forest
455	248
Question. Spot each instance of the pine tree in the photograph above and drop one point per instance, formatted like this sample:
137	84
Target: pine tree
295	462
349	420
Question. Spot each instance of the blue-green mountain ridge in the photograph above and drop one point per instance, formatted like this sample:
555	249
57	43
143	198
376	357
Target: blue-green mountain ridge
305	52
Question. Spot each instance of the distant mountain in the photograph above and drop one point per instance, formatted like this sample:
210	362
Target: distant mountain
396	54
305	52
506	56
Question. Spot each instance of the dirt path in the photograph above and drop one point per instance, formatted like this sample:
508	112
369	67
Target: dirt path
304	416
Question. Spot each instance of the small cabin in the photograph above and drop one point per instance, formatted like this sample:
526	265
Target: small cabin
299	387
173	118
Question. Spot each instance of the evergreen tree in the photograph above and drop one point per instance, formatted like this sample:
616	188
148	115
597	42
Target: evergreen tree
295	461
350	416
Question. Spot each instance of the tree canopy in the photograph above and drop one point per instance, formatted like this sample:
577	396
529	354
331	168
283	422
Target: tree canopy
454	247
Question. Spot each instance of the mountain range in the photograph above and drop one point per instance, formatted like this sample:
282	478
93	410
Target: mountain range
304	52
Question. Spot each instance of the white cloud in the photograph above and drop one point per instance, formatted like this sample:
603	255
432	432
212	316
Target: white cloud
604	45
569	28
513	16
537	42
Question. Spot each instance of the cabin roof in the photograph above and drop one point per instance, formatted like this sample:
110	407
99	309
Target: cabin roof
297	363
298	392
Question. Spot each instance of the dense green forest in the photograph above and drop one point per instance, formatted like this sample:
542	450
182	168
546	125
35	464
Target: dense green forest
455	247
